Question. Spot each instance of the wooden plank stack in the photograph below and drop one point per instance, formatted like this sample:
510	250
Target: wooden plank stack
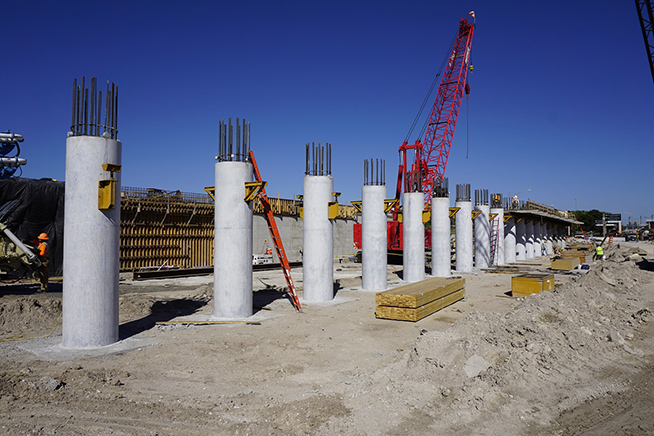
415	301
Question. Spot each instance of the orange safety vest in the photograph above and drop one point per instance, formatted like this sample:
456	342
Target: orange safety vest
43	249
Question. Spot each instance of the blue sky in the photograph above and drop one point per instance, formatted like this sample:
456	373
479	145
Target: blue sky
562	100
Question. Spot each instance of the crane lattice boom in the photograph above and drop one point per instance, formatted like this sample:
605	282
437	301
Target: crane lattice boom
432	152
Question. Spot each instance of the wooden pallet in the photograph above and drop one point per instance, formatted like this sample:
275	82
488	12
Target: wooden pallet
417	300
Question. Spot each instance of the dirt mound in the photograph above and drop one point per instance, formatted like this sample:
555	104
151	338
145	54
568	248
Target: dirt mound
28	314
538	360
520	371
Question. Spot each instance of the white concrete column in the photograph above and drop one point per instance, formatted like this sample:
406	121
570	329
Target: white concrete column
521	240
510	241
91	241
530	239
463	236
538	239
232	276
482	237
318	240
413	236
441	263
562	237
549	244
498	225
373	238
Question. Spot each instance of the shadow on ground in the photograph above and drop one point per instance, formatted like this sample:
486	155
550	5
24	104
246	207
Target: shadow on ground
263	297
646	265
23	288
161	311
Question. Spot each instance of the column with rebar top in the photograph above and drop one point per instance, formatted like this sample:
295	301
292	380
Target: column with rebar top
463	229
232	277
373	227
318	233
92	219
497	230
413	230
441	264
482	229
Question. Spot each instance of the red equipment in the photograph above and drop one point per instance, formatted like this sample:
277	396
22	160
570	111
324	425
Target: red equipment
276	238
430	155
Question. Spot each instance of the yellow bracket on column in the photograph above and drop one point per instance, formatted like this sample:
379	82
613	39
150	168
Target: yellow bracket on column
252	189
211	190
453	211
507	216
426	216
389	204
357	205
491	216
475	214
333	206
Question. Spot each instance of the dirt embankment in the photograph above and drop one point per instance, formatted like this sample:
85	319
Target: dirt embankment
577	359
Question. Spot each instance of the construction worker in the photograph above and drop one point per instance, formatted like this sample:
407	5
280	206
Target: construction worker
43	252
599	252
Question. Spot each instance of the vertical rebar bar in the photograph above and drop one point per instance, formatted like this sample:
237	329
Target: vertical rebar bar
72	122
238	140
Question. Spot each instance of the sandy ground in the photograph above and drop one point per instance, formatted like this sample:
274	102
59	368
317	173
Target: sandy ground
577	360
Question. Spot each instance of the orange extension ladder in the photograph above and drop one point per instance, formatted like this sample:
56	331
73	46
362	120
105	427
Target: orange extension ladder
274	233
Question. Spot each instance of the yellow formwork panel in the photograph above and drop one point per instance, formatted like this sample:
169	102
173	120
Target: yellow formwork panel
527	284
565	264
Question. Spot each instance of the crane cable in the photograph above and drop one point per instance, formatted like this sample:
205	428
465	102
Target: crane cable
467	123
427	97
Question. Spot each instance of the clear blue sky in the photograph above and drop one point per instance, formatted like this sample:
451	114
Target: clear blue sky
562	101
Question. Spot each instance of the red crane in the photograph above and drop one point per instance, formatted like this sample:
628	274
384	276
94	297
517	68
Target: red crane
431	154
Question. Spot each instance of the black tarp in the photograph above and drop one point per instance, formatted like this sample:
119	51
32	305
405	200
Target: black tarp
40	209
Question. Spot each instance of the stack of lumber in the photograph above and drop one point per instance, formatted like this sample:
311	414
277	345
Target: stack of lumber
415	301
527	284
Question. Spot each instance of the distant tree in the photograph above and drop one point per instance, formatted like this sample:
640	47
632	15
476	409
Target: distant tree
588	218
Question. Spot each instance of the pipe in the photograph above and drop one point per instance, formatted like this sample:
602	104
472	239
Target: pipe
31	256
12	161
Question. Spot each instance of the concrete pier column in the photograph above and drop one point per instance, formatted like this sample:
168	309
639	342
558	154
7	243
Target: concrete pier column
232	278
318	245
497	225
529	229
482	229
90	287
562	237
510	241
413	235
463	229
549	241
91	225
521	239
373	238
441	264
538	239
